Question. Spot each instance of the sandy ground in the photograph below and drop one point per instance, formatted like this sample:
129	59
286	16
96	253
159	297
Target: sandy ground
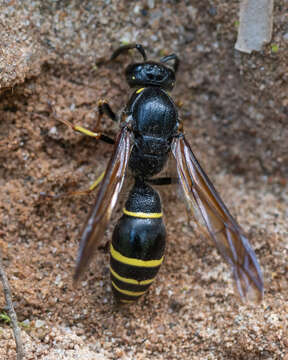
235	115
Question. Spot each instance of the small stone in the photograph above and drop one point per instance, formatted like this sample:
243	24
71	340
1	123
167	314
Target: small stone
53	131
39	323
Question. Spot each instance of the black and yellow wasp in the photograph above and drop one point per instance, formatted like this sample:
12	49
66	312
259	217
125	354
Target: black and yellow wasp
149	131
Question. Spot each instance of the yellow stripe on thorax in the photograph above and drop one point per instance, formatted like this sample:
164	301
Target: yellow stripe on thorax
142	214
127	292
132	261
130	281
139	90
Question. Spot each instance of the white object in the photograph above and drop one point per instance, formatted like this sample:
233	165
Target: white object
255	28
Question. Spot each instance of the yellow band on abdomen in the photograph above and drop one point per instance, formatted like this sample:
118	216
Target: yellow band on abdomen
126	301
142	214
132	261
130	281
128	292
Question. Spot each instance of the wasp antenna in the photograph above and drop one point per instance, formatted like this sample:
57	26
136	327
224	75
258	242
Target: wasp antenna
173	57
125	48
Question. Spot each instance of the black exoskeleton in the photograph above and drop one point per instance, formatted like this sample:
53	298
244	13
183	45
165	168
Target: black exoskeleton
153	119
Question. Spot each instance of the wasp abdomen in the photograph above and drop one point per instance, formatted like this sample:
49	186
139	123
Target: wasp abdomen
138	244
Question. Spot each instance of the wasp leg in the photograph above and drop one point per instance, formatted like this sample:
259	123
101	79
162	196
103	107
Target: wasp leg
45	196
105	108
80	129
163	181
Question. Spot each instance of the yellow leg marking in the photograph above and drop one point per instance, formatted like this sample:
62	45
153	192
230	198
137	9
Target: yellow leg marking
139	90
134	262
127	292
130	281
142	214
97	182
80	129
87	132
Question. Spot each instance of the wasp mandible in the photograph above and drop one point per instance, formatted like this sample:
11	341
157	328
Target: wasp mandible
149	131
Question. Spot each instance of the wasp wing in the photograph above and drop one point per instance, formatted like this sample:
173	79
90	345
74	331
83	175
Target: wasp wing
203	199
105	202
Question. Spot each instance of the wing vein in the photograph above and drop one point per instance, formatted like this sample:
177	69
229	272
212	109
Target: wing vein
203	199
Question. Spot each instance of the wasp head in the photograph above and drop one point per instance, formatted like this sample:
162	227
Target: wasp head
150	73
